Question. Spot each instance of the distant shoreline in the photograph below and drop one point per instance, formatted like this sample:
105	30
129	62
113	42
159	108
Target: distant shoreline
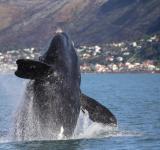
9	72
140	56
138	72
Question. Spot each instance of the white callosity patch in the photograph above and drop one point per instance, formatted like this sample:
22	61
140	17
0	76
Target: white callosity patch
59	30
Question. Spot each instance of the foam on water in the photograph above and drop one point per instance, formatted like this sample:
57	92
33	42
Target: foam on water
88	129
5	138
85	129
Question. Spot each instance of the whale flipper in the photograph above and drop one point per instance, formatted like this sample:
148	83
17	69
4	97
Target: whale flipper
31	69
97	112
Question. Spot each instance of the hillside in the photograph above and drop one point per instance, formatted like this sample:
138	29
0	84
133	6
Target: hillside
33	23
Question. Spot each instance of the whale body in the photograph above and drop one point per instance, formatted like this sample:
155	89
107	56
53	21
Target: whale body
54	92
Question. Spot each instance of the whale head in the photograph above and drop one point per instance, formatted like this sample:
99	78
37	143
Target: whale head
60	56
60	50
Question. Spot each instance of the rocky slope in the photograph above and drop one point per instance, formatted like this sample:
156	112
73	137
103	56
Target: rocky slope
32	23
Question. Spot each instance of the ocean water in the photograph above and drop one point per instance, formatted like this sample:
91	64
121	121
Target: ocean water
133	98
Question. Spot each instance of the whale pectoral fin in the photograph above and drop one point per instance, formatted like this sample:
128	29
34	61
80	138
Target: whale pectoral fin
97	112
30	69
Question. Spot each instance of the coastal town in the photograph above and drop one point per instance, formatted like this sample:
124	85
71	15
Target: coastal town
137	56
116	57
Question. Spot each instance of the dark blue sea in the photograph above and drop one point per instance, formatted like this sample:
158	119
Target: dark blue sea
133	98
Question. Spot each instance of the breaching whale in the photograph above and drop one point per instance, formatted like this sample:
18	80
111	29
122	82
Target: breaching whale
54	89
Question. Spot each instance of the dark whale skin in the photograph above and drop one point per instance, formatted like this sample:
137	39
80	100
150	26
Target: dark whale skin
56	96
54	89
54	85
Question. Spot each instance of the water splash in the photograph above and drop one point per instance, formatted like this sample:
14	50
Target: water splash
60	135
85	129
28	127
